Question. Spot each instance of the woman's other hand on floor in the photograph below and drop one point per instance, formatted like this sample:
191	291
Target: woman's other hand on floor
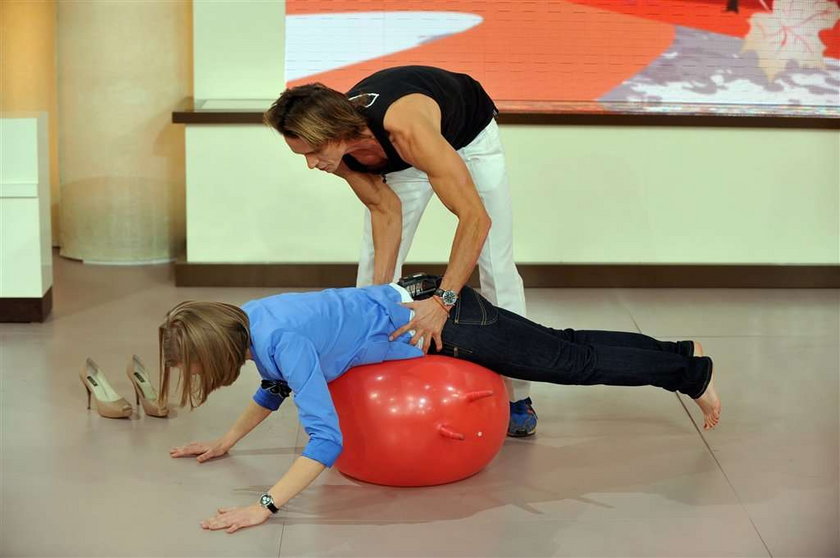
233	519
203	450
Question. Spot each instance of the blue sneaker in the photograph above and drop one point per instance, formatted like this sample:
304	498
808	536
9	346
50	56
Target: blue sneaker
523	419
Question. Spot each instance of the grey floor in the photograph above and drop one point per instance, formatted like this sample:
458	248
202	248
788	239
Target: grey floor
611	471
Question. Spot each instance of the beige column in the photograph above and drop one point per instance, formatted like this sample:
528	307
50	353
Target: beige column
122	67
28	73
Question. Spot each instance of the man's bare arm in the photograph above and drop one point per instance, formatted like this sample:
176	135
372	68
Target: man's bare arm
385	219
414	125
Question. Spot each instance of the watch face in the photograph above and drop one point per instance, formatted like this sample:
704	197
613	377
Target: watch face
449	298
265	500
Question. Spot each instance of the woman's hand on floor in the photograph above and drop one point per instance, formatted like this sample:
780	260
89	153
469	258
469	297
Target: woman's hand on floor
204	450
233	519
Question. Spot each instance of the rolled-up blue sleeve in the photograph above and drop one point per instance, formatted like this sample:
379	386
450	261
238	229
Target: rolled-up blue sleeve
267	400
298	360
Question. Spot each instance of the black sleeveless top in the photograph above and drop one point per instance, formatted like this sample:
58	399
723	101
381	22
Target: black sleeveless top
465	107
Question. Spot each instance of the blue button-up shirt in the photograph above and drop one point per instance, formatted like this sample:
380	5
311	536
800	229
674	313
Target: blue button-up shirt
310	339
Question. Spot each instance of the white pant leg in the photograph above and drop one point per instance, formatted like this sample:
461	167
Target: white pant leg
413	188
500	280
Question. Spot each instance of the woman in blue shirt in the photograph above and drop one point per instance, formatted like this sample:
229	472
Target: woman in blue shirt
302	341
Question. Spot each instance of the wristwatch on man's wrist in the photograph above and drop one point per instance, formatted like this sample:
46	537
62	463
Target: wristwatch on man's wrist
449	298
267	502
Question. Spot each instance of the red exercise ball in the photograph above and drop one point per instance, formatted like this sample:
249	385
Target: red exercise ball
419	422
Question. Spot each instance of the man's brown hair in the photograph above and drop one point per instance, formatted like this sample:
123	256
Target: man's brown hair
316	114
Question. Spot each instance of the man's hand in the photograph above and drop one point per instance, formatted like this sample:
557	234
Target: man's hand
429	318
234	519
204	450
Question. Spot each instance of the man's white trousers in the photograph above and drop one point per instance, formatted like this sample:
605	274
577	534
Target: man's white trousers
500	280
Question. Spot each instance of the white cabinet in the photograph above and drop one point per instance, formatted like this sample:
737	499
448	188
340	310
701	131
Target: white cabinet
25	237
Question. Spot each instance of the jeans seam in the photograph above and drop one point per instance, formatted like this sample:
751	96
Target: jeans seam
485	318
483	312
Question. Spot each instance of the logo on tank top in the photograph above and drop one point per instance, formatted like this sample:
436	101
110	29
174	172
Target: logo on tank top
365	100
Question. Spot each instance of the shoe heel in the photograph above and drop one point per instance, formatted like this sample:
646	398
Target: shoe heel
144	392
87	390
109	403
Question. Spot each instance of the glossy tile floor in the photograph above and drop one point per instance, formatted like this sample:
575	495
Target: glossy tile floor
611	471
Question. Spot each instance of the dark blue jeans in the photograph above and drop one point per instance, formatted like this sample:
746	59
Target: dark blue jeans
519	348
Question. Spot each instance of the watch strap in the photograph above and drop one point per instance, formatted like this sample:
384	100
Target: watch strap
442	305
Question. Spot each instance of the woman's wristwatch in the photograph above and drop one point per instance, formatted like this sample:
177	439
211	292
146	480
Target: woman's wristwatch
267	502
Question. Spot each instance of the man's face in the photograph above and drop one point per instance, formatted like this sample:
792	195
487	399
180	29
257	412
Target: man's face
326	158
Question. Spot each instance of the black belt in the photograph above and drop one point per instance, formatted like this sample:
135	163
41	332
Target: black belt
420	285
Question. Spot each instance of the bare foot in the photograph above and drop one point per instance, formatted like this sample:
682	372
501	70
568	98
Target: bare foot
709	403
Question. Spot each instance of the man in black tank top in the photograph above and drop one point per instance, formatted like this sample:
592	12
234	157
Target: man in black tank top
465	108
398	137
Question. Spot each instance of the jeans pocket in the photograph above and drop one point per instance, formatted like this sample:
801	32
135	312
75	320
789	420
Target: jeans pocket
474	309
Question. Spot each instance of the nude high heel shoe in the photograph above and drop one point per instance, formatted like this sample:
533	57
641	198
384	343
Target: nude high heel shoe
143	390
109	403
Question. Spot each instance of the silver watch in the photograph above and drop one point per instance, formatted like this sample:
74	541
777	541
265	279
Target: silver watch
449	298
267	502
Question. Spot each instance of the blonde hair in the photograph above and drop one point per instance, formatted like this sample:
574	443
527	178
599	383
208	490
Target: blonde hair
316	114
208	341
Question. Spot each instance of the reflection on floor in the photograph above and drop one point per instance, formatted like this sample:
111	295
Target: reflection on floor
611	471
